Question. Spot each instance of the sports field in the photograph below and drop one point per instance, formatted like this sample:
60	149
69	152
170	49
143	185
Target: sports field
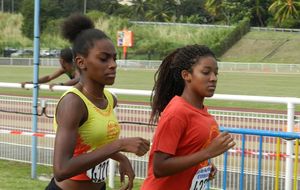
235	83
266	84
16	175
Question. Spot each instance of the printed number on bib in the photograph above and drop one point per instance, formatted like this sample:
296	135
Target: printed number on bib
98	173
200	179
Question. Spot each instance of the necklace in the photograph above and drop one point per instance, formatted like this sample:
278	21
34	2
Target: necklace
90	94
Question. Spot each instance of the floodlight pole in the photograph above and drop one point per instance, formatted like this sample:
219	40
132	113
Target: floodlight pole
35	90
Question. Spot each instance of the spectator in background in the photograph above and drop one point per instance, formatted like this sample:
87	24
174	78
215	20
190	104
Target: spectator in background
67	67
186	135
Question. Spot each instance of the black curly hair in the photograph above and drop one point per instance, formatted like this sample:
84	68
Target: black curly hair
81	32
168	80
67	55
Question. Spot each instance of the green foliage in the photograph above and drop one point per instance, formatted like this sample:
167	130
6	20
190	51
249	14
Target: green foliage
192	19
228	11
231	38
285	9
49	10
53	26
259	12
191	11
150	41
159	11
28	15
290	23
109	24
10	31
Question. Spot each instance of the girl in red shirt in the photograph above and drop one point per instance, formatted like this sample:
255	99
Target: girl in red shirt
186	135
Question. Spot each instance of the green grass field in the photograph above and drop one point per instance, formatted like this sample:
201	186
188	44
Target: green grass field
237	83
265	46
16	176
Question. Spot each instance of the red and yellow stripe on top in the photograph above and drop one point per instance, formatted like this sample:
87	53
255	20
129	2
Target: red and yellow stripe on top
99	129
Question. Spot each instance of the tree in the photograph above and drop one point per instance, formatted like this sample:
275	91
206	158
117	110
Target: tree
50	9
159	11
230	11
258	12
112	6
193	11
213	7
285	9
140	8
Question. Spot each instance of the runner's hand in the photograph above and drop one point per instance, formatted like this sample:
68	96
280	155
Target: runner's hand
220	144
23	84
51	86
136	145
213	172
125	169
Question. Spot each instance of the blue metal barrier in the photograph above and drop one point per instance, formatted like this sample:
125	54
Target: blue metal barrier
261	134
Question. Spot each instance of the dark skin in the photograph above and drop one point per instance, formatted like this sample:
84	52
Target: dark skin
199	83
98	69
65	68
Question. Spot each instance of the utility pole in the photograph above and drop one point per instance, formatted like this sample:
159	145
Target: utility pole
12	6
84	7
2	5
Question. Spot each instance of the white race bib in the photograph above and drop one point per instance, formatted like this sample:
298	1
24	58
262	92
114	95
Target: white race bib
200	179
98	173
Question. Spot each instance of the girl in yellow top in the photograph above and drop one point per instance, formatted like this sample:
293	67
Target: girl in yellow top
87	129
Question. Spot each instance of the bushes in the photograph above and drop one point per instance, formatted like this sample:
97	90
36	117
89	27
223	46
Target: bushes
150	41
231	38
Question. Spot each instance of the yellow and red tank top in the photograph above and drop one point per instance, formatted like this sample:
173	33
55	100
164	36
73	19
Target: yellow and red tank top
100	128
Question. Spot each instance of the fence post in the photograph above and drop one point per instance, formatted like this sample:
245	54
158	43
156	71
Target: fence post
112	163
111	174
289	147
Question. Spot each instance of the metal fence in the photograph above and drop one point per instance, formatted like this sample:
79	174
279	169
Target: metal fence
154	64
254	157
276	29
215	26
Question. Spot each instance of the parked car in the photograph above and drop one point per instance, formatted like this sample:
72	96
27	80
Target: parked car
8	51
22	53
44	53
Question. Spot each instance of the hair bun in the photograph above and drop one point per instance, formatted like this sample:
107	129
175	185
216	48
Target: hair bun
74	25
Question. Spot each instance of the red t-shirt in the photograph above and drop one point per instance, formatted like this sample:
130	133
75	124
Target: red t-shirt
182	130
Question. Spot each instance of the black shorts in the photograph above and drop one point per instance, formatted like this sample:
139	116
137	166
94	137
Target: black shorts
52	186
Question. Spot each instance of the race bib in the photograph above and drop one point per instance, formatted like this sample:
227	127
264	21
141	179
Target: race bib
200	179
98	173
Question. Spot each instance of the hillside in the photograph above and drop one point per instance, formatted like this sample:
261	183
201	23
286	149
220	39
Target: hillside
149	41
10	29
255	46
267	47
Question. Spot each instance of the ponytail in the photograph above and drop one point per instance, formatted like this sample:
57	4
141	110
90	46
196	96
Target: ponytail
168	83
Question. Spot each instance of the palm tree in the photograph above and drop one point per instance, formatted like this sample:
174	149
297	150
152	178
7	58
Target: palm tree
213	6
159	11
139	8
111	6
259	11
284	9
